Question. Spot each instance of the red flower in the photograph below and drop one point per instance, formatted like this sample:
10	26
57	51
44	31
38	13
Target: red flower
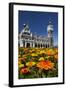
24	70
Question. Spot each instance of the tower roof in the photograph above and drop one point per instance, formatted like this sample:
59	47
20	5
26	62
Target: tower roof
25	30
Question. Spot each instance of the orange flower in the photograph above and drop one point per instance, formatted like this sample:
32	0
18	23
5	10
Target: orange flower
24	70
56	57
19	59
26	50
22	59
46	64
50	53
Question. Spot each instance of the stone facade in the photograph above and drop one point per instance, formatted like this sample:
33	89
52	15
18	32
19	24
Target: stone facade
27	39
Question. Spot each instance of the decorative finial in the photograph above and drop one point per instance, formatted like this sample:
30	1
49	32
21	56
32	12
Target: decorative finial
50	22
24	25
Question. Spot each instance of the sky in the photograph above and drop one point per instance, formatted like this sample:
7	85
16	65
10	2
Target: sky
38	22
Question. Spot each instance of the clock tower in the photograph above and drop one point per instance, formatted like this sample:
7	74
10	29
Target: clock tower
50	33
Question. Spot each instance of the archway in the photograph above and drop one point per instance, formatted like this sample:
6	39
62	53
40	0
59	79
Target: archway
28	45
35	44
41	45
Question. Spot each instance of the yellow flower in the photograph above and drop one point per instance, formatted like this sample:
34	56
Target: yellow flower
21	65
19	62
34	54
30	64
47	57
41	58
19	56
42	52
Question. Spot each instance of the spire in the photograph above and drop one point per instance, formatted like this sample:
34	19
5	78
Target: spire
50	21
26	29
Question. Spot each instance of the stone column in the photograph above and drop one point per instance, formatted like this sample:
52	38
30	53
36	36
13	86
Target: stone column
21	43
43	45
30	44
37	45
33	44
25	44
40	45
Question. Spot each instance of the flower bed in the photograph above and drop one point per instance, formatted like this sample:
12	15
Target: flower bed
37	62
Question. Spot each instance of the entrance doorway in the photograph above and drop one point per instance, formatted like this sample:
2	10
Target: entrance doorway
28	45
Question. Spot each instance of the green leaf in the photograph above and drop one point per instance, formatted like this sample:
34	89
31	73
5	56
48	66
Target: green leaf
21	76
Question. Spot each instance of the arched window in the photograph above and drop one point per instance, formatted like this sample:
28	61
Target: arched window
38	45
